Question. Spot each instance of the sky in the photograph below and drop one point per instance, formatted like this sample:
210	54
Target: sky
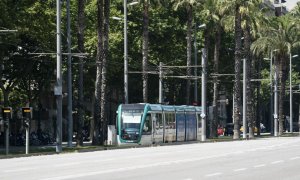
291	3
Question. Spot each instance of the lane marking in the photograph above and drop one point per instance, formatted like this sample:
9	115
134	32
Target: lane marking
294	158
214	174
260	165
66	164
18	170
241	169
188	179
277	162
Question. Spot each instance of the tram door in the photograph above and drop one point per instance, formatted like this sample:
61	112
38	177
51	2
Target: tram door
147	137
158	128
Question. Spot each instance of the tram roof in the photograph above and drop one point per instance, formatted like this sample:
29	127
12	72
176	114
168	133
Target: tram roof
155	107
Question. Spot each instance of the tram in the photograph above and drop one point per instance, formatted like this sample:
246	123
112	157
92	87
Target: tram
154	123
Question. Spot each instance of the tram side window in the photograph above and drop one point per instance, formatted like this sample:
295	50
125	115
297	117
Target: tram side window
159	124
147	129
170	120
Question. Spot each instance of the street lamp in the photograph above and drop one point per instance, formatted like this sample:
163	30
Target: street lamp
291	93
195	69
126	51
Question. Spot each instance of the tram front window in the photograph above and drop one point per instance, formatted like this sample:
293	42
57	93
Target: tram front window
130	127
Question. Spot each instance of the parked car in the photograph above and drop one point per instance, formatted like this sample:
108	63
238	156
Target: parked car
229	129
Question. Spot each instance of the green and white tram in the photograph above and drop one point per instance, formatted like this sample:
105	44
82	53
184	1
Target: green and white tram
155	123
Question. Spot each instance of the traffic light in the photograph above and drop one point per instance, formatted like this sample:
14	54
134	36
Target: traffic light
7	115
27	116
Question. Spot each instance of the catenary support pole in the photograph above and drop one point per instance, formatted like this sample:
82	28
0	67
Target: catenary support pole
160	83
275	103
271	92
195	68
291	96
203	94
125	54
58	88
70	95
244	99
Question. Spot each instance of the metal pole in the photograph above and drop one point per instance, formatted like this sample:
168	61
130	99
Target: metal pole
195	68
275	103
7	137
58	91
291	96
244	100
233	107
299	120
271	91
125	54
203	96
27	138
160	83
70	95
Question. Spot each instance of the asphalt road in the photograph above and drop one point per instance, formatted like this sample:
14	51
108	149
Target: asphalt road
272	158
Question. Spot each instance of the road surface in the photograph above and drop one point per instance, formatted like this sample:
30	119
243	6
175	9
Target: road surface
270	158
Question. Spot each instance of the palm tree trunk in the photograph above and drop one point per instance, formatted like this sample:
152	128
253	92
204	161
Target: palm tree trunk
145	49
258	109
282	82
97	105
80	37
237	70
215	81
103	119
189	52
249	92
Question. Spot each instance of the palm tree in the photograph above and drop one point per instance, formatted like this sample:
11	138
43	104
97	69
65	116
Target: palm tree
281	34
188	5
145	46
80	38
242	9
103	119
97	105
252	17
212	16
145	50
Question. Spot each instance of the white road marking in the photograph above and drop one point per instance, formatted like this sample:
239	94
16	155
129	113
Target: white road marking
294	158
276	162
260	165
241	169
214	174
239	152
188	179
66	164
18	170
252	150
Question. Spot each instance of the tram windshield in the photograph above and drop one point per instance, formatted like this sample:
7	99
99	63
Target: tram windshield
130	126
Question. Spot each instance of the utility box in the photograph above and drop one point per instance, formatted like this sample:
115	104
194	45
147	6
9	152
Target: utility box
111	135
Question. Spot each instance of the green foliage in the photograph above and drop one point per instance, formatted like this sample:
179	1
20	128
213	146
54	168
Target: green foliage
31	76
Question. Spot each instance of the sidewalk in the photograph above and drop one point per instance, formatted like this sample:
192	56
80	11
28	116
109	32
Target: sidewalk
19	151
